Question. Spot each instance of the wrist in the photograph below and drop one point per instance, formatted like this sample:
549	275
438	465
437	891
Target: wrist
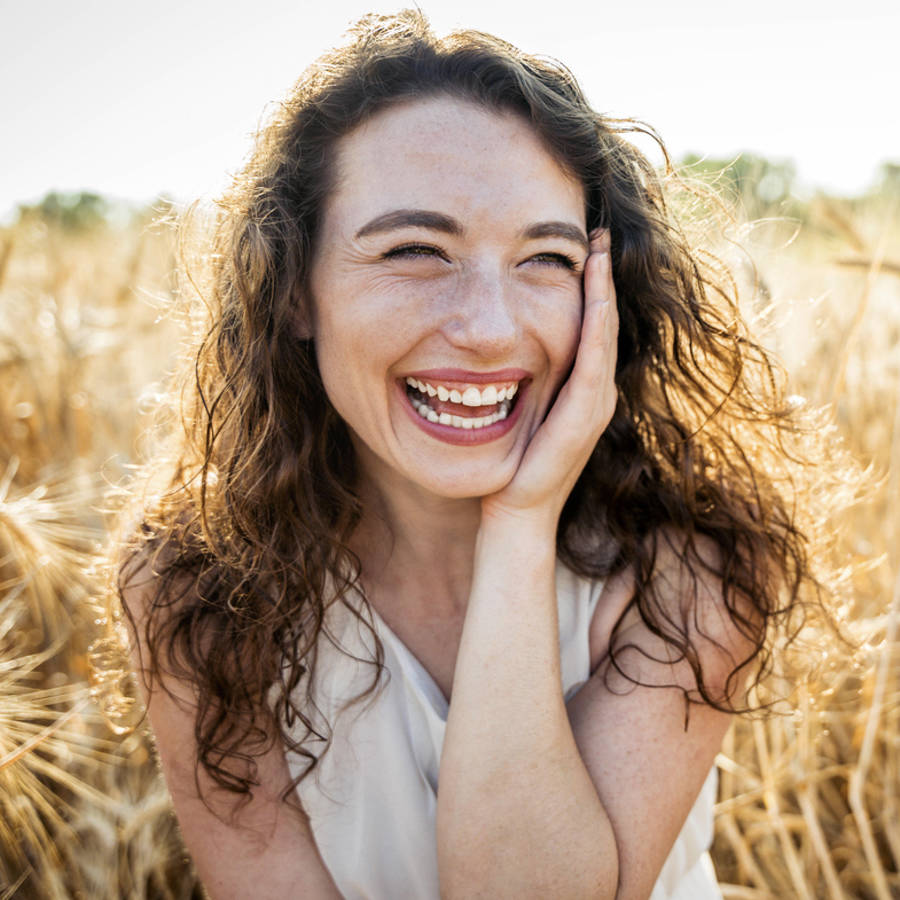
540	521
526	535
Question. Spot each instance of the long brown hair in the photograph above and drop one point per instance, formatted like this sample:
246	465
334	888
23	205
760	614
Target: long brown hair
243	552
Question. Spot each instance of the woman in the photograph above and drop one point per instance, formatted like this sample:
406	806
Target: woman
471	490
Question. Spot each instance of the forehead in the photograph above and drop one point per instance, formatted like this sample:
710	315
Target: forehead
453	155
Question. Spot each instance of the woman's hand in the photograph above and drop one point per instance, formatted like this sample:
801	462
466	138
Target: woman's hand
584	406
509	754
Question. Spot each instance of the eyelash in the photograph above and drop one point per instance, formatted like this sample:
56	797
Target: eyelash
412	250
556	258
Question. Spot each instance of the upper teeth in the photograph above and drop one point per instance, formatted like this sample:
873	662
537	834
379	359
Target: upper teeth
471	396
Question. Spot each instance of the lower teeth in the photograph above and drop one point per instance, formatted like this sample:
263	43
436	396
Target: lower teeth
464	422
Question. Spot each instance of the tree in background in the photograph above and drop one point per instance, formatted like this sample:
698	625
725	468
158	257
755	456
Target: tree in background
758	186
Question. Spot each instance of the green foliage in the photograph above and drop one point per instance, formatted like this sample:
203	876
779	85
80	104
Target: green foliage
70	211
887	182
761	187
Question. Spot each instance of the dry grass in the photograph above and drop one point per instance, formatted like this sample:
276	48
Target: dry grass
83	812
809	801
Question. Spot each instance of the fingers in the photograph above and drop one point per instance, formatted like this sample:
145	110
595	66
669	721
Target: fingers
587	401
598	283
593	374
600	240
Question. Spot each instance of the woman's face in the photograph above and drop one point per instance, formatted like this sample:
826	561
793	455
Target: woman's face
447	292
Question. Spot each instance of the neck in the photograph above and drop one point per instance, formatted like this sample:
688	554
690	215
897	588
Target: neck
417	547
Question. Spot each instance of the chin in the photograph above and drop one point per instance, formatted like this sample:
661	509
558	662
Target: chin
467	488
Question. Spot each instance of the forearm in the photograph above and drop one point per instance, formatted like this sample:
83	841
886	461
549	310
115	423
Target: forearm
518	814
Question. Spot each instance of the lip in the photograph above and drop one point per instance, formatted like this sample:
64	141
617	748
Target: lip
464	377
447	433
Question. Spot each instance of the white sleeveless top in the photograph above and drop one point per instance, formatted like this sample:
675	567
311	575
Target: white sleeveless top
372	798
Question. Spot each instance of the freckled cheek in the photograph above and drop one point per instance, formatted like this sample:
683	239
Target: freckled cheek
574	330
359	342
559	325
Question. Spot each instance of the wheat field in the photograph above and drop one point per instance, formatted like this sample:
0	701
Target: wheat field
809	801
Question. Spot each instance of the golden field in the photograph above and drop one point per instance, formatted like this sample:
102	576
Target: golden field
809	801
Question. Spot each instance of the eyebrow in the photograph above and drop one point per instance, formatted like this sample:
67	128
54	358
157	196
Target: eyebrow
401	218
561	230
423	218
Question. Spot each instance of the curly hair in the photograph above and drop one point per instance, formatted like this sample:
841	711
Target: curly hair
241	555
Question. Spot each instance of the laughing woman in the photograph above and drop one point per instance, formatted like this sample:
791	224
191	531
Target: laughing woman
466	553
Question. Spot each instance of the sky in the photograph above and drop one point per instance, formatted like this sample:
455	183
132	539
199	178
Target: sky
134	99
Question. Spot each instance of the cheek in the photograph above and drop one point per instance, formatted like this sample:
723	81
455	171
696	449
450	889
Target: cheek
557	318
340	355
368	309
573	328
358	342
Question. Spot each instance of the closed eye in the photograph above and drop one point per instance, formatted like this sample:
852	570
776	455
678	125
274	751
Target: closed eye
411	251
555	259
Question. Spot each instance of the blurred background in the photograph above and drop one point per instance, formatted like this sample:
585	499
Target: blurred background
115	115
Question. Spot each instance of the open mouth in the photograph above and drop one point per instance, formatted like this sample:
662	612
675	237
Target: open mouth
470	408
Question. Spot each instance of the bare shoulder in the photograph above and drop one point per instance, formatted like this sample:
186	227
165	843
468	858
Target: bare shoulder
647	750
263	846
690	610
146	601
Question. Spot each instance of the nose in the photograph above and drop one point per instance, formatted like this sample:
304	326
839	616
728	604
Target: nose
483	317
